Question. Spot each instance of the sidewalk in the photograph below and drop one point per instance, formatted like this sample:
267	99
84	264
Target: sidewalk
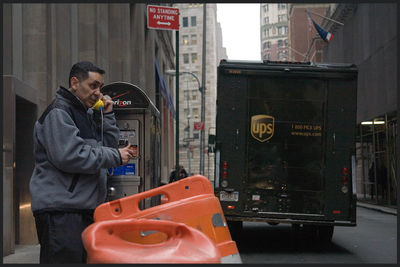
24	254
30	253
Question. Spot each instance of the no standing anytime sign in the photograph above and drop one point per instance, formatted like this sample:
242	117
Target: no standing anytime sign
162	17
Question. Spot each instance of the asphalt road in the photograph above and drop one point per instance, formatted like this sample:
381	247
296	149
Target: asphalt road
373	240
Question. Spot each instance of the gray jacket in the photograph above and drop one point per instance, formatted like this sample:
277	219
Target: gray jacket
70	162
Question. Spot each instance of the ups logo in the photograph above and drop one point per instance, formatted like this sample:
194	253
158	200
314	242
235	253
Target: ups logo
262	127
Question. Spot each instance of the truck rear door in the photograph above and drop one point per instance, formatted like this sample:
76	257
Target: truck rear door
285	140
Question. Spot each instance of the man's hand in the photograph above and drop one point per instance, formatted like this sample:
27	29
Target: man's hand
126	154
108	103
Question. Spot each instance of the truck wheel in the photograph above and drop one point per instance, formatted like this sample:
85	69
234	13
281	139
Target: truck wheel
325	233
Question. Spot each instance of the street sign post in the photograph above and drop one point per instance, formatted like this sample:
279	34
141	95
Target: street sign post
167	18
162	18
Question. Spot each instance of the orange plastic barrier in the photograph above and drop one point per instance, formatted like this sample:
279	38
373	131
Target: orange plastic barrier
190	201
105	242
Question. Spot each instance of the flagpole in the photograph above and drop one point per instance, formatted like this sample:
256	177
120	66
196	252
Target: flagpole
324	17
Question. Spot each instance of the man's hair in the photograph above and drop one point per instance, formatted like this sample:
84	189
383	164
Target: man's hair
81	70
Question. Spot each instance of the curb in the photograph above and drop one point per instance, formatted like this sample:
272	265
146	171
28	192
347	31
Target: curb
377	208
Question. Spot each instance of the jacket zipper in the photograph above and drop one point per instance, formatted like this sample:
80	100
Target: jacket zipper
74	182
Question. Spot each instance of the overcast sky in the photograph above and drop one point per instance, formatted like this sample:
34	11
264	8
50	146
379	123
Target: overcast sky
240	25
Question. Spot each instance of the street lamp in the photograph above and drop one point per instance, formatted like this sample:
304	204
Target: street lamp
173	73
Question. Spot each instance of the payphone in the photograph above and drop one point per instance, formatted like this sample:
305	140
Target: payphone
139	124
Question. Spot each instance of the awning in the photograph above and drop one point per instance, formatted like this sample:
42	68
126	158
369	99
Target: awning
164	89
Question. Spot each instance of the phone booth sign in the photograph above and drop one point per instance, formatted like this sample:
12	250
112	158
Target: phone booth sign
138	121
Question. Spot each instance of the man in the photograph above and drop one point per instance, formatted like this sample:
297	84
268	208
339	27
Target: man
69	178
181	174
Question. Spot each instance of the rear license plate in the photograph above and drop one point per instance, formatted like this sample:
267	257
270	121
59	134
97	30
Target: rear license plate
228	196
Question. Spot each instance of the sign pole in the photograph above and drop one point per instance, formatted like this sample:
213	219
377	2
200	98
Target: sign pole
203	91
167	18
177	103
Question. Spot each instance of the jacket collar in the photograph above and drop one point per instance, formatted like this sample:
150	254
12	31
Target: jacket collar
67	94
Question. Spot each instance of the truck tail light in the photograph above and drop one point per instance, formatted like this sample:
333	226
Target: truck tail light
224	169
225	165
345	172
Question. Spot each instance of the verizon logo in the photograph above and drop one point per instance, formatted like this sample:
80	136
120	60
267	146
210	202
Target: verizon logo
123	103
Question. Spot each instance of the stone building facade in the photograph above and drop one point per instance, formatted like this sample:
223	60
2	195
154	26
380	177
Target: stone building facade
274	32
369	39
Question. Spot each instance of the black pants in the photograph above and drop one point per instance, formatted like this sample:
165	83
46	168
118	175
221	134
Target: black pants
59	235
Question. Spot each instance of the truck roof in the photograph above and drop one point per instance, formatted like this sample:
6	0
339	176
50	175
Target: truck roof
287	65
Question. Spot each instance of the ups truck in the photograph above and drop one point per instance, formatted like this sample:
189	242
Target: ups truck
285	144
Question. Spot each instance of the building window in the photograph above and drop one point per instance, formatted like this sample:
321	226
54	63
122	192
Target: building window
186	112
282	18
194	96
266	32
185	22
280	43
267	45
273	30
186	94
266	20
193	39
285	42
185	58
280	30
281	6
193	21
195	112
194	57
285	30
281	56
267	56
266	8
185	39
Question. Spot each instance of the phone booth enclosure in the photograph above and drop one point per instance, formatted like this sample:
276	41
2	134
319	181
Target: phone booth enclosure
139	123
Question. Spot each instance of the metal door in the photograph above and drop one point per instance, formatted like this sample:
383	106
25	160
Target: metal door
285	145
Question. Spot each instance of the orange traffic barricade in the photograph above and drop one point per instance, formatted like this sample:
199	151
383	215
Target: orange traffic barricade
190	201
124	241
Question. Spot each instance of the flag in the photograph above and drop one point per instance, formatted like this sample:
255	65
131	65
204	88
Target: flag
325	35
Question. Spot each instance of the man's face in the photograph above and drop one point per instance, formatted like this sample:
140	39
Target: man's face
88	91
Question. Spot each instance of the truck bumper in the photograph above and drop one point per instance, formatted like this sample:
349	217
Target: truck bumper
290	221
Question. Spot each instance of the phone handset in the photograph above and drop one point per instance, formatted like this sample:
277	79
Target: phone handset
99	105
